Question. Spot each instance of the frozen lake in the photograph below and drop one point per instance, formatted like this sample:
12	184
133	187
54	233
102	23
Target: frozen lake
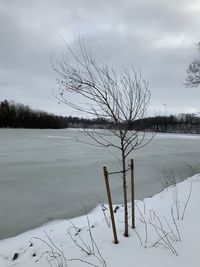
47	174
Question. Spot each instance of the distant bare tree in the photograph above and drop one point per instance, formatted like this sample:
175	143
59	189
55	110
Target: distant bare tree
193	72
98	90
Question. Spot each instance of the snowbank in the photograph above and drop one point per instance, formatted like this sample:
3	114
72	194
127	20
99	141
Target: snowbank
167	234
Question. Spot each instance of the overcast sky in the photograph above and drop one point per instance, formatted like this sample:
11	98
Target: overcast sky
156	36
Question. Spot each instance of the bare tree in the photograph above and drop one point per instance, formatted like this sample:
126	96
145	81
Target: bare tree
96	89
193	72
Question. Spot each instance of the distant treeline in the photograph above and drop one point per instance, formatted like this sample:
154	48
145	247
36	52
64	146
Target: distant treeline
182	123
15	115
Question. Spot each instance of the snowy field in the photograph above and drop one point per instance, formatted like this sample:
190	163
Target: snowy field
47	174
167	234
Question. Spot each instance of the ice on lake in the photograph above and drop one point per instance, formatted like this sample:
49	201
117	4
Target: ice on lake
48	174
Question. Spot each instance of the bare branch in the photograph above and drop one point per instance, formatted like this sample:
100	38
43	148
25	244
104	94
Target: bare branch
193	72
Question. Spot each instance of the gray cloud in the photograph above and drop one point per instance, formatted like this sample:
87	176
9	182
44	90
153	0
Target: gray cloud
156	36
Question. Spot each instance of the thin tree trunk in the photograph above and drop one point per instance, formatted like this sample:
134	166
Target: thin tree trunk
133	193
125	195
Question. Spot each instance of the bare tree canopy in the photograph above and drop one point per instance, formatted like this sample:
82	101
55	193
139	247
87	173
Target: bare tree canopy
98	90
193	72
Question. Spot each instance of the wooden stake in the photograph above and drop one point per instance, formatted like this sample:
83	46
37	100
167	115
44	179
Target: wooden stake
110	205
133	193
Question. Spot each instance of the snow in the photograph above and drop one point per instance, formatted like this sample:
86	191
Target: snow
167	234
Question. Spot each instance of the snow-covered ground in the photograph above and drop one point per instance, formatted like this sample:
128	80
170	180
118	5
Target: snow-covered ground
167	234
